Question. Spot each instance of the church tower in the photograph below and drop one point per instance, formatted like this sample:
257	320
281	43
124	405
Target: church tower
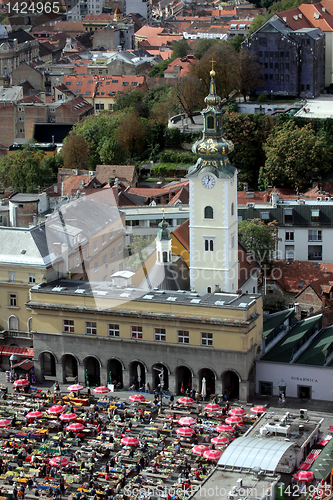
163	242
213	205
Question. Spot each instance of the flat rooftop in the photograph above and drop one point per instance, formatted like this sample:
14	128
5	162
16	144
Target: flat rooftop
282	425
107	290
223	481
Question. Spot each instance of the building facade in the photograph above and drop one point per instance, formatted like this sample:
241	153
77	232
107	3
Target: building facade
293	60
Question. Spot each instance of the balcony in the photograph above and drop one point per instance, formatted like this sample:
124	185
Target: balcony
16	334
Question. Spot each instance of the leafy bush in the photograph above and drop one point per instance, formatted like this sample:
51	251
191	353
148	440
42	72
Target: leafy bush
262	98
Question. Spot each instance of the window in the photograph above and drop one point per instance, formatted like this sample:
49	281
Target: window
271	65
315	252
95	245
183	337
12	300
68	326
289	235
159	334
32	278
281	54
288	216
260	53
232	209
281	77
281	65
120	247
209	212
264	215
271	54
287	65
210	122
287	54
315	215
209	244
276	54
112	253
96	267
286	77
136	332
266	53
276	77
263	42
289	252
11	276
314	235
232	241
276	65
91	328
104	260
206	339
113	330
271	77
103	239
112	233
209	289
120	227
99	107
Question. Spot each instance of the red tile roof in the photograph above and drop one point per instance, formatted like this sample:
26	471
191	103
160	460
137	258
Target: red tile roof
182	233
75	183
181	197
294	276
91	86
156	192
98	17
125	173
308	16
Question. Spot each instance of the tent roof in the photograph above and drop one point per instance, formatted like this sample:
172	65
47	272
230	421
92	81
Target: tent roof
255	452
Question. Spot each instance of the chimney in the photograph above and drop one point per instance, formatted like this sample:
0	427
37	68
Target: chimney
111	181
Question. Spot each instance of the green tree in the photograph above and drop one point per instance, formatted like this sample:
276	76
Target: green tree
111	152
295	155
250	75
180	48
236	42
26	170
202	45
128	99
258	237
157	71
75	151
138	251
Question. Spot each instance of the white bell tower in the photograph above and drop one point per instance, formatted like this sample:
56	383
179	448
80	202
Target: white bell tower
213	206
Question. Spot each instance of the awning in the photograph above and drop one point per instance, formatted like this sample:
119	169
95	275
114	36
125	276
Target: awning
323	464
23	352
255	452
26	364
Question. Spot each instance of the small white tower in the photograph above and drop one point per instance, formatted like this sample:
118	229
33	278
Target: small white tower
163	242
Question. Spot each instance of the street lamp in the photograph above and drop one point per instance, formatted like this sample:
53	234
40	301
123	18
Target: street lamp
271	95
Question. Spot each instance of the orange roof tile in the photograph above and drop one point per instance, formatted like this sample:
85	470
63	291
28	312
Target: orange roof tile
294	276
182	233
109	86
84	85
125	173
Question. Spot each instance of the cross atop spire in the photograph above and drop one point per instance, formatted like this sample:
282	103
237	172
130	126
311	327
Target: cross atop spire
212	73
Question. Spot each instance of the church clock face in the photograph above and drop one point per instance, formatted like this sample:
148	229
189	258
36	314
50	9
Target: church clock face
208	181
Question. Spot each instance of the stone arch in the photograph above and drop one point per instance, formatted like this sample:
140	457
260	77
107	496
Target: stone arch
184	376
211	377
47	362
13	323
156	379
70	364
230	383
137	377
92	370
115	367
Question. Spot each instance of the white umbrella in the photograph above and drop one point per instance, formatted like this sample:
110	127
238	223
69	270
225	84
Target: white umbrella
203	388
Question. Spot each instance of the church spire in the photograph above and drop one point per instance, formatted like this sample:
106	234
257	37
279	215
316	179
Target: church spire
163	241
213	148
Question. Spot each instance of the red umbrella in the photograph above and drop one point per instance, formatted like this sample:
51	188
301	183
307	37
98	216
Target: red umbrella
212	454
5	423
130	441
67	417
233	420
258	409
182	388
304	475
199	449
34	414
237	412
55	410
185	401
225	428
21	382
212	407
187	421
75	426
59	461
75	387
185	431
101	390
137	398
220	440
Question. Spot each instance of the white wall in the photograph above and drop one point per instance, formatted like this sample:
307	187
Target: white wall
318	378
301	243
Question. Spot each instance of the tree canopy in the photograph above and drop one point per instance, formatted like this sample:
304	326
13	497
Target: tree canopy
258	237
26	170
294	156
